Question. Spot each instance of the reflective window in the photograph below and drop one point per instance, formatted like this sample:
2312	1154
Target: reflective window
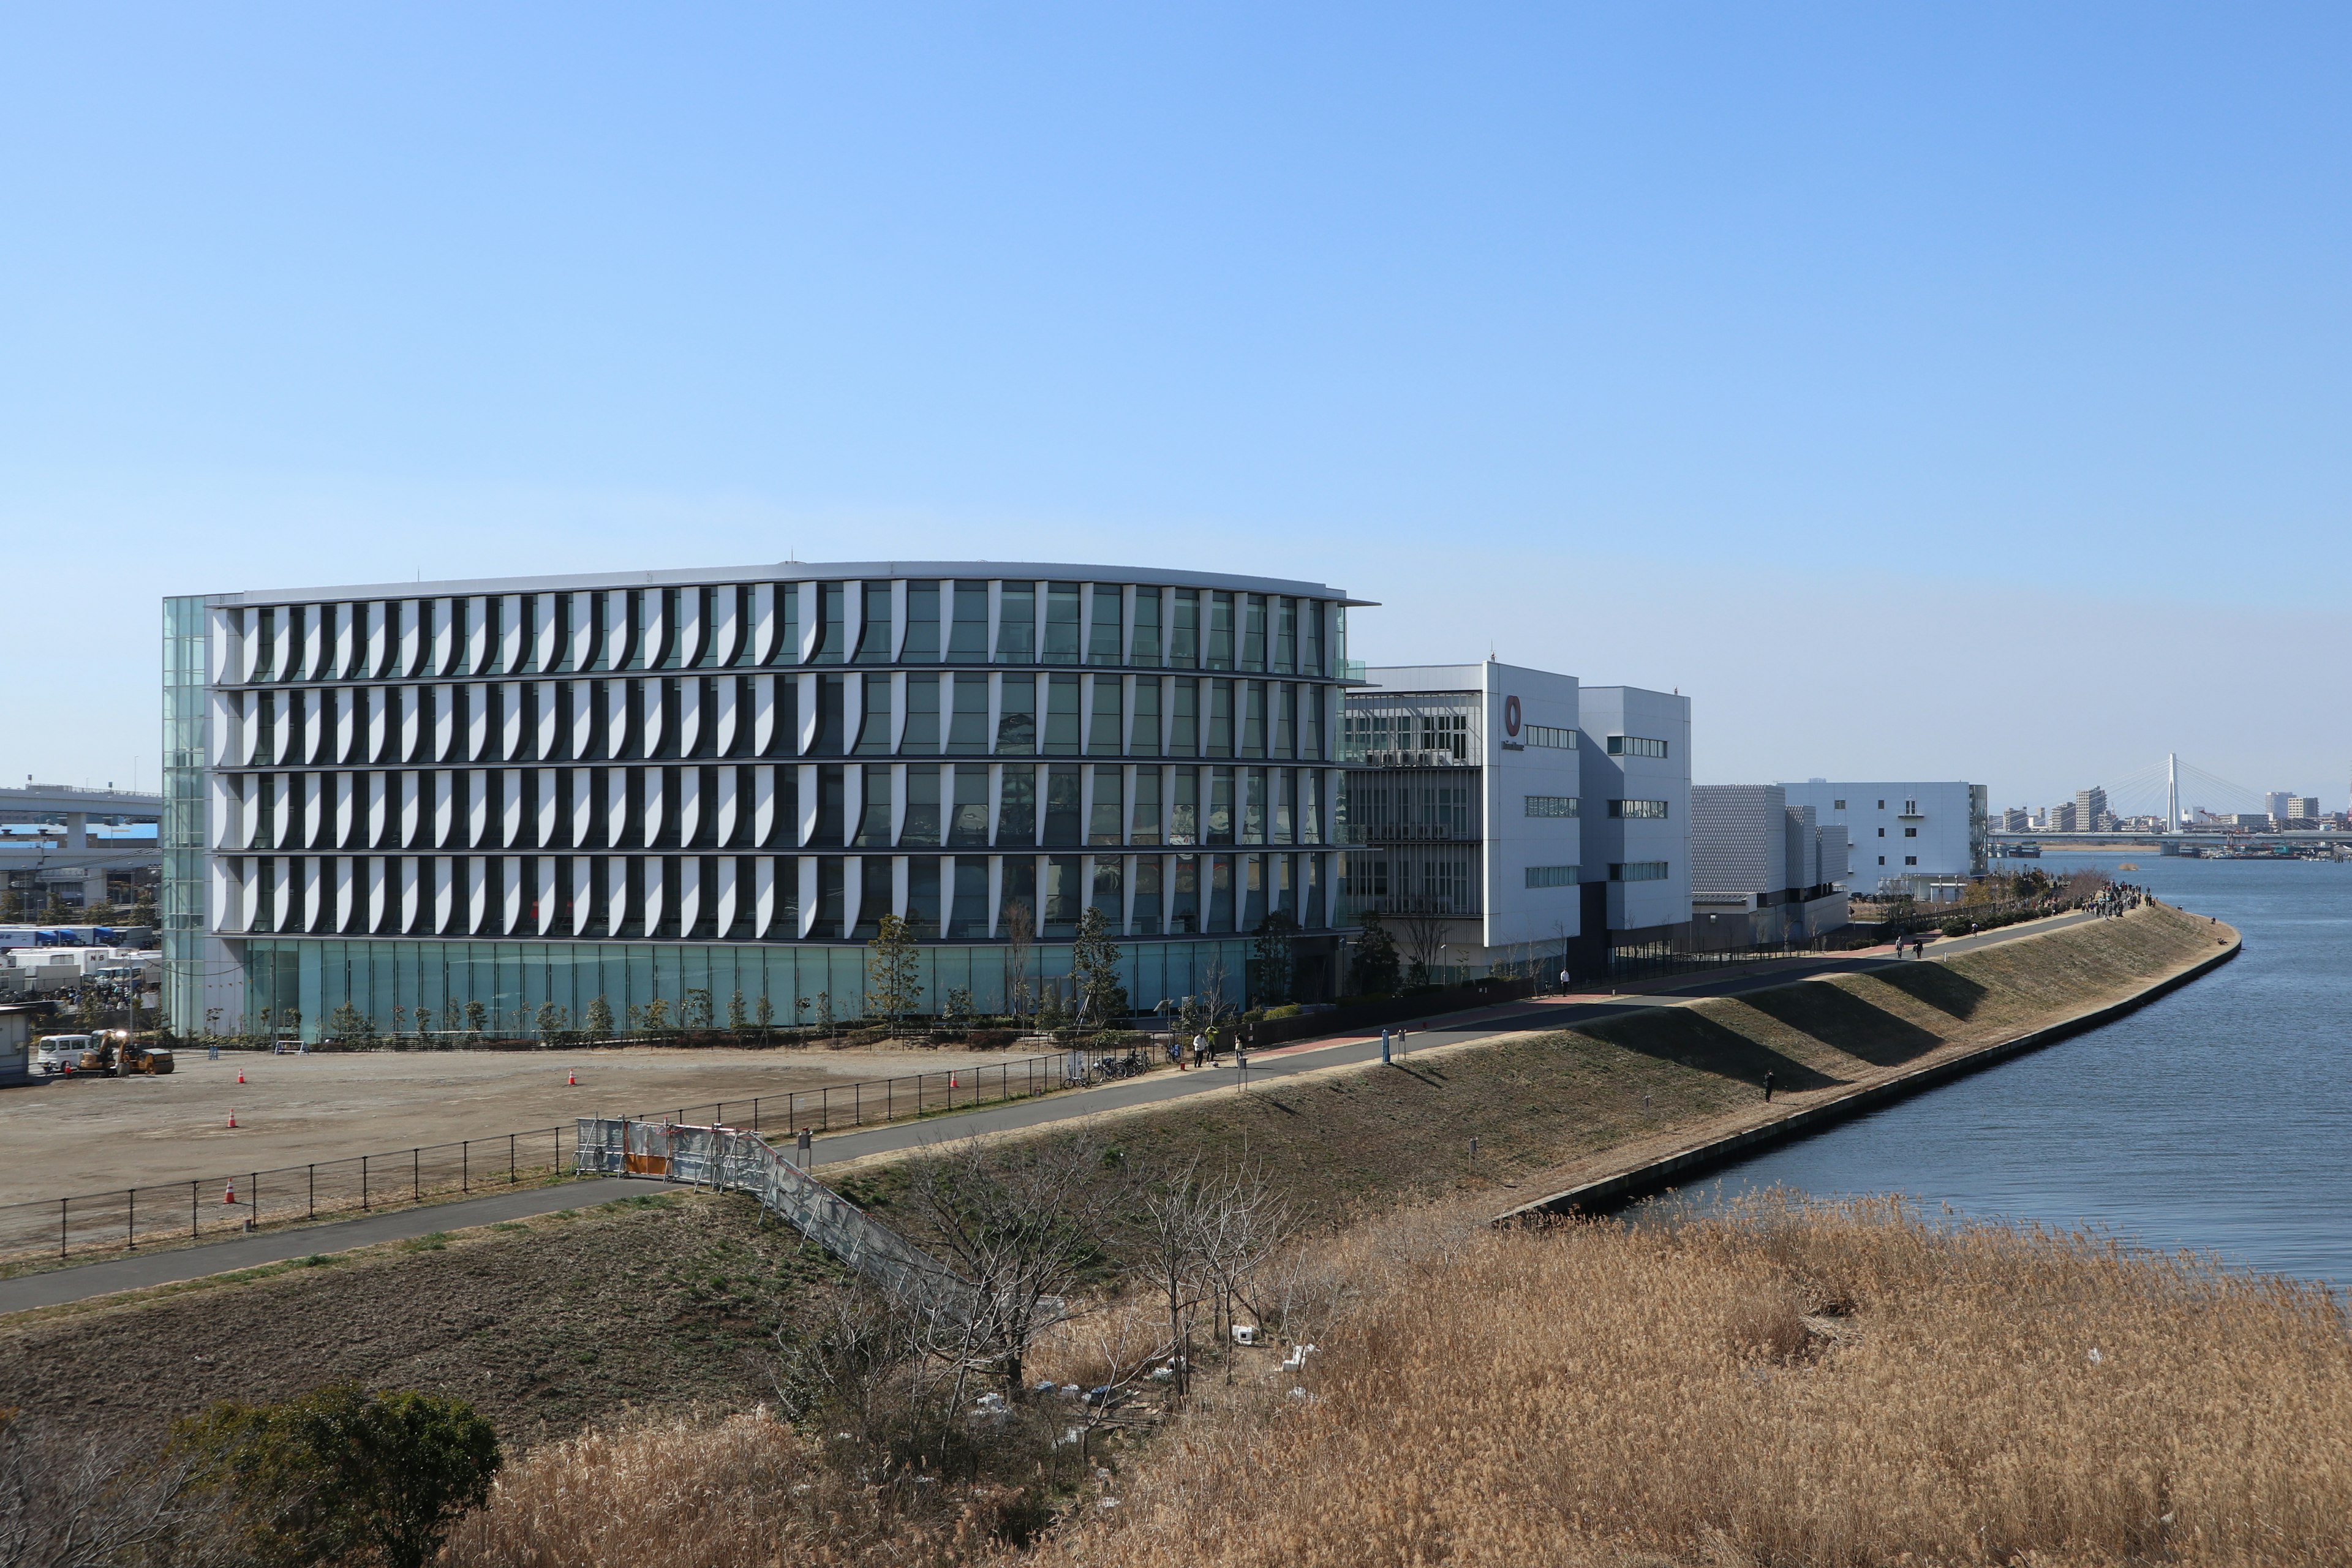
1183	627
874	630
923	896
1220	822
1064	804
1102	633
1219	742
1253	805
1061	716
1184	807
1285	700
1016	624
1147	896
829	806
1253	890
1311	806
1285	636
1253	718
968	825
1143	821
968	726
829	626
1062	895
968	918
1143	646
1016	717
874	820
1253	631
1109	896
831	870
830	740
1281	804
1103	822
1221	892
1102	729
1143	729
922	642
1221	632
921	825
1184	900
1061	623
968	638
1016	809
873	733
1310	727
876	874
1018	898
788	624
1184	718
921	737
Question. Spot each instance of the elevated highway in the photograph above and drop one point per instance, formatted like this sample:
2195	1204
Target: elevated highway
67	853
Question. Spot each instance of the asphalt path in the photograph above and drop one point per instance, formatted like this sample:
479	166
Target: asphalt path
56	1286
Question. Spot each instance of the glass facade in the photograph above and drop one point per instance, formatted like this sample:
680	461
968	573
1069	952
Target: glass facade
534	793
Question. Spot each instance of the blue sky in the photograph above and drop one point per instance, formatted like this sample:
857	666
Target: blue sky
1927	391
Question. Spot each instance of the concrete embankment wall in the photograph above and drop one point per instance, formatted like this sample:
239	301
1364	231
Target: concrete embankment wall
1667	1171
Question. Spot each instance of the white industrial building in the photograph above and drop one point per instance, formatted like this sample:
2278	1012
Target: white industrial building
1924	838
1763	872
1495	813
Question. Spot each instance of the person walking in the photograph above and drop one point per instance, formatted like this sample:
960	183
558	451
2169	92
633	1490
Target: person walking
1200	1050
1768	1087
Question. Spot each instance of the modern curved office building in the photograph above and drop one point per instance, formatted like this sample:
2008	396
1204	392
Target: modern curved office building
534	793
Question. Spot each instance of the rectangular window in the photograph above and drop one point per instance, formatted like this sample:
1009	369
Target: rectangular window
1143	645
1283	823
874	821
1253	718
1061	715
1551	876
1061	623
1184	808
968	727
1221	892
1553	805
1016	624
1882	859
968	822
1285	699
1220	806
1016	717
1143	729
1638	871
831	873
1184	718
1103	818
1253	631
874	733
1147	896
1638	809
829	806
923	896
1184	628
922	735
967	916
1311	806
1102	634
1062	895
874	900
830	740
1102	735
1552	739
1018	898
1910	833
1837	805
1286	636
1063	805
1016	806
1108	895
1184	895
922	644
1310	724
1635	747
1221	720
788	631
1253	805
1220	631
829	626
968	635
922	824
874	633
1144	823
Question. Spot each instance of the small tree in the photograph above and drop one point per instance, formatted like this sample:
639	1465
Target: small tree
1020	925
1374	958
600	1018
694	1013
1272	958
348	1023
959	1007
342	1475
764	1014
824	1024
552	1021
736	1017
477	1018
1094	972
656	1016
891	971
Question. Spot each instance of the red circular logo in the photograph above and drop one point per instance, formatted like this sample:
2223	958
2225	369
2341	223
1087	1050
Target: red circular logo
1510	715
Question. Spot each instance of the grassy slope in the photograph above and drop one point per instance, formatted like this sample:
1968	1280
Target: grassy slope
1548	1110
566	1319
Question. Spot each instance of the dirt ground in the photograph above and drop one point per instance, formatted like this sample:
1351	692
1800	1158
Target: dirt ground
90	1135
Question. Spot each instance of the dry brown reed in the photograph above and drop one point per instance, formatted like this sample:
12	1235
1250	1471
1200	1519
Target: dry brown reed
1781	1384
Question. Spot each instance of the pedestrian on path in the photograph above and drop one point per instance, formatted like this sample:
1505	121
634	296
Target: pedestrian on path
1563	981
1767	1089
1200	1050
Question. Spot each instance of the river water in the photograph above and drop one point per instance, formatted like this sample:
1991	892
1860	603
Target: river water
2218	1118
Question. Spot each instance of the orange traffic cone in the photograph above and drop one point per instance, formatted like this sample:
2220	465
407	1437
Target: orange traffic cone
572	1079
231	1119
230	1197
240	1074
954	1082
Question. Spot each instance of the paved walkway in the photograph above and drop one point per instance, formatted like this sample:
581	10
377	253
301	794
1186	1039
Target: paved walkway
1534	1015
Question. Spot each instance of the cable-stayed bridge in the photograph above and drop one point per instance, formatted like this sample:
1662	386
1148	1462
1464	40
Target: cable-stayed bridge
2187	799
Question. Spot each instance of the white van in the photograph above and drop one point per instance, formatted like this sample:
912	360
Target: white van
57	1053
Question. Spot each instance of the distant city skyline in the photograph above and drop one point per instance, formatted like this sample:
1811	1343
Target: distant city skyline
1927	394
